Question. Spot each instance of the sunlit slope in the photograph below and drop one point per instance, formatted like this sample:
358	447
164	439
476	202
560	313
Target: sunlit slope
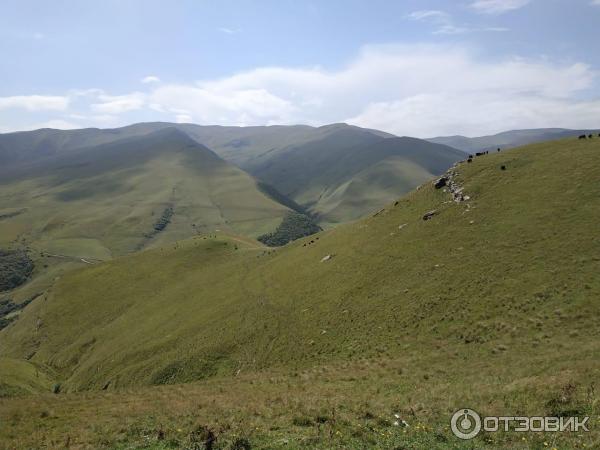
104	201
513	268
19	377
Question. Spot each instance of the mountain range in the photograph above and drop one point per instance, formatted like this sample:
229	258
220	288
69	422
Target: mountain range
94	194
368	334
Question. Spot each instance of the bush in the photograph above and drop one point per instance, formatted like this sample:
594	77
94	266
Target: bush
164	220
293	226
15	268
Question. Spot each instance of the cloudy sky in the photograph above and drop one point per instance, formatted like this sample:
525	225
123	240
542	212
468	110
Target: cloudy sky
410	67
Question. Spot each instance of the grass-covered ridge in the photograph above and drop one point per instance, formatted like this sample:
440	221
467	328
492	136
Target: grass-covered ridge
491	304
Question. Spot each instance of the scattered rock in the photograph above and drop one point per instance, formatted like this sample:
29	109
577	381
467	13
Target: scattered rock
502	167
402	226
429	214
326	258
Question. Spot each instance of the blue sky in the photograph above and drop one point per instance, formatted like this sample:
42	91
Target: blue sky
413	67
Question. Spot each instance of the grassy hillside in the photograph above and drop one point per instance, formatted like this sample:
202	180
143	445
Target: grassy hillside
490	304
104	201
320	169
350	173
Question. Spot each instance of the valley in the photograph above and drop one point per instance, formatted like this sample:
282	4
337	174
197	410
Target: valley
491	304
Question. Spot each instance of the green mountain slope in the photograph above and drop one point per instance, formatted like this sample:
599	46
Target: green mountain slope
351	173
491	304
312	167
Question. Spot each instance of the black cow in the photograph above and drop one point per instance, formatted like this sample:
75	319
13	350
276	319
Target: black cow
498	150
590	136
583	136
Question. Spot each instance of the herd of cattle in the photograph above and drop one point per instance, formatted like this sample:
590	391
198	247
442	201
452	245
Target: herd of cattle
470	159
583	136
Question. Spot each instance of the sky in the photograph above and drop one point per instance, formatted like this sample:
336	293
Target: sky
419	68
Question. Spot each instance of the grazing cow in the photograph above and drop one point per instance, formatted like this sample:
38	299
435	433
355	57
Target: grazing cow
470	160
502	167
479	153
441	182
583	136
590	136
498	149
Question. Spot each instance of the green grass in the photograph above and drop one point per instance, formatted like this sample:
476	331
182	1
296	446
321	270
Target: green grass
492	306
19	377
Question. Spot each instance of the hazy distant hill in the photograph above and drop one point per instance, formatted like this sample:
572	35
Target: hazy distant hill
507	139
338	172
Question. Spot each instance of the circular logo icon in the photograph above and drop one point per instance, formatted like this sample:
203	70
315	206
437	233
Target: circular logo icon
465	424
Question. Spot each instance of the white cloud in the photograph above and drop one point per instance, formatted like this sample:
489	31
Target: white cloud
223	104
498	6
35	102
58	124
183	118
118	104
228	30
595	2
150	79
445	23
429	14
418	90
401	89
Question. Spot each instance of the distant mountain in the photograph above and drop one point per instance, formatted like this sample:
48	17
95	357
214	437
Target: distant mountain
507	139
338	172
125	195
350	172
